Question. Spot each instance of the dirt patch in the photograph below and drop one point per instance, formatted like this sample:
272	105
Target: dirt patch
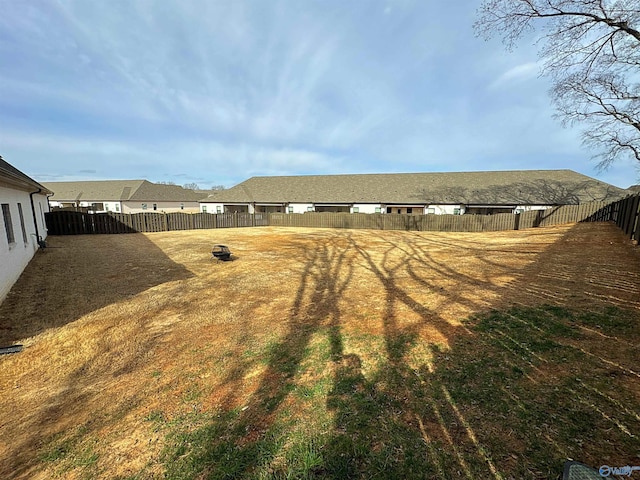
121	329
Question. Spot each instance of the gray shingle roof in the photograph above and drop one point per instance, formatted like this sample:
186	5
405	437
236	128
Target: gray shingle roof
120	190
528	187
15	176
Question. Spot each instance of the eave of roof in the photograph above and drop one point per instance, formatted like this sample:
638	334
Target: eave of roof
11	175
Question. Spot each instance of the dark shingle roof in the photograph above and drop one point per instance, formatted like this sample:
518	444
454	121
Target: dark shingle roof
528	187
16	177
120	190
167	193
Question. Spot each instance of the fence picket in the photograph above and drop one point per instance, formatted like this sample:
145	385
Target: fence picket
624	213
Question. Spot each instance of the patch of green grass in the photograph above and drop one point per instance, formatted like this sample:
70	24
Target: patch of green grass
192	393
611	321
516	398
158	419
72	451
315	390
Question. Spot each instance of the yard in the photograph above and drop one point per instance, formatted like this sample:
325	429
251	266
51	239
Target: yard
323	353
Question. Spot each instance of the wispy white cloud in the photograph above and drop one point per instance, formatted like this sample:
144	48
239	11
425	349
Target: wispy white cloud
158	89
516	75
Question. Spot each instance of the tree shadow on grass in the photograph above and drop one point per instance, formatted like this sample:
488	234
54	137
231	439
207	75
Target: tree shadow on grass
62	284
510	393
81	274
244	439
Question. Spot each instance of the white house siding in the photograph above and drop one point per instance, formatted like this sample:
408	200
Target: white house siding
300	207
161	207
444	209
14	257
113	207
528	208
367	208
212	207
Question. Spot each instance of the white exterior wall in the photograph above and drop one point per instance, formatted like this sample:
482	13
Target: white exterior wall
162	207
445	209
113	207
212	207
367	207
371	208
528	208
15	257
300	207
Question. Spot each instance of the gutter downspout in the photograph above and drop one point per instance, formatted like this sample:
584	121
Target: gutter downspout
35	219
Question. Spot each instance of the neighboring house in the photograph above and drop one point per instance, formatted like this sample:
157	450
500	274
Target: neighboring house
412	193
23	203
123	196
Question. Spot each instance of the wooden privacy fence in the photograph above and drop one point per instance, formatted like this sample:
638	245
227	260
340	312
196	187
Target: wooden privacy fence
625	213
440	223
63	222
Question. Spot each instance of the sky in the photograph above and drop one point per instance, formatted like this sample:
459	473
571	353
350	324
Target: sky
214	92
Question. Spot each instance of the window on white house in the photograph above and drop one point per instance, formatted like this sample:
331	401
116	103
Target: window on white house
378	210
155	206
8	225
309	209
356	209
117	207
456	211
22	225
182	206
204	209
218	209
290	209
431	211
519	210
144	206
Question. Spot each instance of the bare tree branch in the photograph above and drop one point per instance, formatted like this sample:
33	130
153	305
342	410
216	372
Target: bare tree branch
591	51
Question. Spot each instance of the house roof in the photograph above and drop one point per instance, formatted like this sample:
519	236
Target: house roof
120	190
521	187
13	176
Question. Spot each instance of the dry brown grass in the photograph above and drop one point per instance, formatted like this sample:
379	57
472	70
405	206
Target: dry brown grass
119	327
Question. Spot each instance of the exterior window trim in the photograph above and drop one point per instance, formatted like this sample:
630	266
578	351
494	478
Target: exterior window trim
25	239
8	224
